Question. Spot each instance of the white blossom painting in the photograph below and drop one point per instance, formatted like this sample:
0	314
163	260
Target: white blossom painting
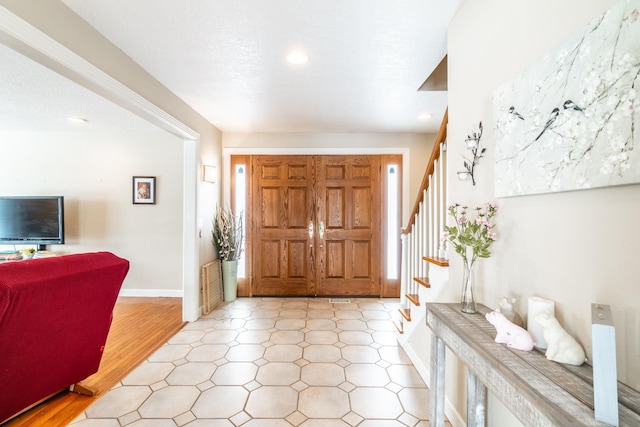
571	121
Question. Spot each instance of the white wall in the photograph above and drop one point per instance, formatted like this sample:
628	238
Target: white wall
419	146
94	171
575	247
208	198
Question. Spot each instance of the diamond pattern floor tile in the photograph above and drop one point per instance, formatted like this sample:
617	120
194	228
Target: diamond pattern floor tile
274	362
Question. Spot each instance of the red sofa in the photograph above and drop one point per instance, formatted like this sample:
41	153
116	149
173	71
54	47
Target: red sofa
55	314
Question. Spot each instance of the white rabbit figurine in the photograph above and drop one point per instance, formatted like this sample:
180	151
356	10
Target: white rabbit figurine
561	347
505	306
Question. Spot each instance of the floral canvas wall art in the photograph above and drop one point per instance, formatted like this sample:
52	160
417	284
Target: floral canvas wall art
571	121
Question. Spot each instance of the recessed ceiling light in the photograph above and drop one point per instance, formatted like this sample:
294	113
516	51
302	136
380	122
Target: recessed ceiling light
425	116
77	119
297	58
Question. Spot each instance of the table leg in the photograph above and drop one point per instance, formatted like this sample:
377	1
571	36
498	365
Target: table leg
436	386
476	401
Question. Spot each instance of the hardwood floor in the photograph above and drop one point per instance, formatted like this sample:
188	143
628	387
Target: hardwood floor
140	326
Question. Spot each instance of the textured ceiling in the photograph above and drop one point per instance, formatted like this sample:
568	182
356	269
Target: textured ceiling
34	98
226	58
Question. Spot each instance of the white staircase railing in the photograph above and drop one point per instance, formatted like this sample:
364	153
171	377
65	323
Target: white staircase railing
421	238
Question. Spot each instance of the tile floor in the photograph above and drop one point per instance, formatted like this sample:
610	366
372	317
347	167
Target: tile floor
274	362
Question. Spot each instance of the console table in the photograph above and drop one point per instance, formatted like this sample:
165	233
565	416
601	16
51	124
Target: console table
537	391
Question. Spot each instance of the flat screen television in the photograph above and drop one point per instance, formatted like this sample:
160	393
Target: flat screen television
32	220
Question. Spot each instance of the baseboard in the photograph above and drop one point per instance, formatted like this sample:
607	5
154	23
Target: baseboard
422	369
454	417
173	293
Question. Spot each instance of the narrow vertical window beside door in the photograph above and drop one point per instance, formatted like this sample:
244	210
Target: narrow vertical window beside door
241	206
393	224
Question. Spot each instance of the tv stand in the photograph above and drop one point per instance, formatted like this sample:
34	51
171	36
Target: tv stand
42	248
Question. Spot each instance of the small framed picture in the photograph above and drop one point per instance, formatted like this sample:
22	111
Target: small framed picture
144	190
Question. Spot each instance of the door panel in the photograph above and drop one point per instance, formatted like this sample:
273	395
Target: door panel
282	208
348	201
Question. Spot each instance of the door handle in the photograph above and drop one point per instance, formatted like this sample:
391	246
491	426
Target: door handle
310	229
321	230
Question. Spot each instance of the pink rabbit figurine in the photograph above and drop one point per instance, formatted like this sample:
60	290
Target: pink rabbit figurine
509	333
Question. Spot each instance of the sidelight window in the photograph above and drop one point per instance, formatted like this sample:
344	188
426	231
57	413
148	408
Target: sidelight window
240	205
393	221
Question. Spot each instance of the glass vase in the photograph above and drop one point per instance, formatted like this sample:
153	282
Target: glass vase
467	299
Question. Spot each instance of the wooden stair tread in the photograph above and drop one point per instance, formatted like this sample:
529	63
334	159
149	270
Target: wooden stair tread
414	298
437	261
399	326
424	281
406	313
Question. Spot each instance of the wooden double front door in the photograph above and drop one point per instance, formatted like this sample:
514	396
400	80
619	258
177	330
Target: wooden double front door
316	225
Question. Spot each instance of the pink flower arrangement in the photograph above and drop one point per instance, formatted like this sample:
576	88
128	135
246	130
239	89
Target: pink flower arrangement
478	234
